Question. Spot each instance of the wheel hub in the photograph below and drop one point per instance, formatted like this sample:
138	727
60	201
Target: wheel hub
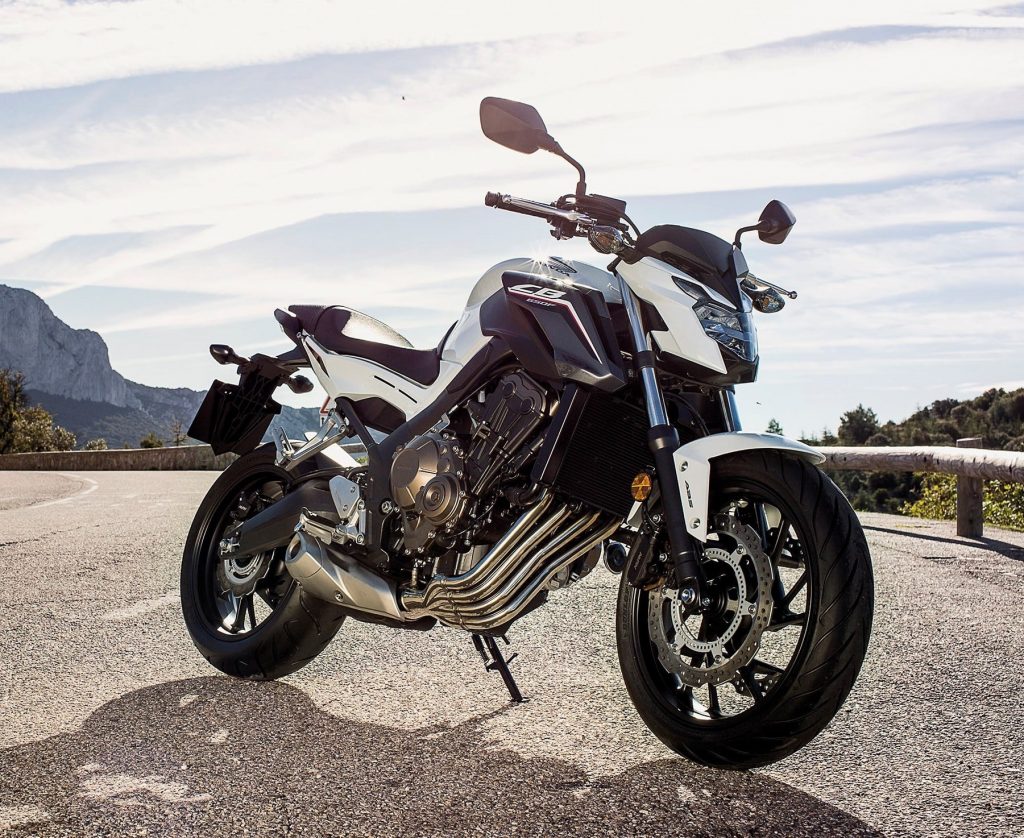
239	575
712	647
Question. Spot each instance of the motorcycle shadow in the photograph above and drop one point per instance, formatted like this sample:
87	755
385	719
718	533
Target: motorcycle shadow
215	756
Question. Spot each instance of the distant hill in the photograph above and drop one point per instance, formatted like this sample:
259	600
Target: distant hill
68	373
997	416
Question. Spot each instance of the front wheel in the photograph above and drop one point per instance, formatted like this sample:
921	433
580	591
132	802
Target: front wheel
762	671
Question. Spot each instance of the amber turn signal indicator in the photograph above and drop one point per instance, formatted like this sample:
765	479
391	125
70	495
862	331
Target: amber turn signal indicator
641	486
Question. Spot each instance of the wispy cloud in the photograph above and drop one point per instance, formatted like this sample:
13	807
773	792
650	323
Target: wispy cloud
255	154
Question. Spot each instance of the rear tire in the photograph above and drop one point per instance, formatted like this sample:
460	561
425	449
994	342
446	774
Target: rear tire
298	626
800	701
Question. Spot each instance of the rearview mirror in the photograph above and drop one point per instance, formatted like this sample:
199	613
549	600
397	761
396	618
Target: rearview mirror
514	125
775	223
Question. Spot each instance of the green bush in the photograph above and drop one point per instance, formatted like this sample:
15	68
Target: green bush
1003	505
62	439
33	430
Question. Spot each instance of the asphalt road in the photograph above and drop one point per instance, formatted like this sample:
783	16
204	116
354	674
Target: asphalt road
112	724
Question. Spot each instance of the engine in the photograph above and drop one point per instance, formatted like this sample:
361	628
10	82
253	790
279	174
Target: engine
437	479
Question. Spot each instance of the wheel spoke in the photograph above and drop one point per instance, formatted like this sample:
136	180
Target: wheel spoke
713	706
238	617
250	609
702	633
765	668
756	692
784	619
781	534
797	587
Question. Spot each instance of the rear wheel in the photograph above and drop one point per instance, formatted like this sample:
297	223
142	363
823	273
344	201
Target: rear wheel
765	668
246	614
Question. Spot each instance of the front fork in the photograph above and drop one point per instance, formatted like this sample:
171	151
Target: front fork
663	439
731	417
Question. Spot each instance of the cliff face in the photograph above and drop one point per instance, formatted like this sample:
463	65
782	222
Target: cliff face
67	371
54	357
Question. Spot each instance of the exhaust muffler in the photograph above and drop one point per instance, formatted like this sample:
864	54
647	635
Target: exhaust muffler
335	577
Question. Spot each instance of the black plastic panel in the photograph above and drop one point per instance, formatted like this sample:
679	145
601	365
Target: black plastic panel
234	417
556	330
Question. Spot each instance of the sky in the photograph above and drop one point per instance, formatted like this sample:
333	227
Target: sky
173	170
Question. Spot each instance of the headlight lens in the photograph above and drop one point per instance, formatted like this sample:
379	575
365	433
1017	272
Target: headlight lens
732	329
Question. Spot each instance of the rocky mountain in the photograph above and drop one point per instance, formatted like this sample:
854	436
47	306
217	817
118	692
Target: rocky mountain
68	372
54	357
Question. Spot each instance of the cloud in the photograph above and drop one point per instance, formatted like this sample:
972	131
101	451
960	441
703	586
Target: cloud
90	41
260	154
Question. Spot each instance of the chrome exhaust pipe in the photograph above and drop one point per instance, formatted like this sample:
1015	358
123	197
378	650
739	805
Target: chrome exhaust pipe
335	577
537	546
510	546
504	583
468	604
521	602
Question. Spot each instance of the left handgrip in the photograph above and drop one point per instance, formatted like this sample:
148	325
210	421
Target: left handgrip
520	205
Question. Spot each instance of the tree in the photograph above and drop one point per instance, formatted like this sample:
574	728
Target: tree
151	440
96	445
774	427
857	426
178	435
12	402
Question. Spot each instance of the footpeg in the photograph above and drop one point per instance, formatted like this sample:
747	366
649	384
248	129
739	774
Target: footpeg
495	661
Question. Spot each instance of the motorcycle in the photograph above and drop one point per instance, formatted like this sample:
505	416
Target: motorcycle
571	417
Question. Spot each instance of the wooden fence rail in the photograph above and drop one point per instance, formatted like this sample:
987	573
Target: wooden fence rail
968	461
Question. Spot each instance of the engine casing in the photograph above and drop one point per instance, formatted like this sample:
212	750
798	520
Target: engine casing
434	480
427	484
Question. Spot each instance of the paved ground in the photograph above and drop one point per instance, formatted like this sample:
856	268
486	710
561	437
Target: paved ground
110	722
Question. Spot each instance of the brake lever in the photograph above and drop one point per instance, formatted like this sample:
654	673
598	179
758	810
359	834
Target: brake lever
754	281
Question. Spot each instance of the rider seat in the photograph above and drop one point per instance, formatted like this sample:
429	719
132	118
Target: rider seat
350	332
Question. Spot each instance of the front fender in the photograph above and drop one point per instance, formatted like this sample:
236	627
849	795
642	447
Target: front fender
693	468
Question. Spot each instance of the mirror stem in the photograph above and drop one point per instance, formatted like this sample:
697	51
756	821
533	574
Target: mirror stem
740	232
581	186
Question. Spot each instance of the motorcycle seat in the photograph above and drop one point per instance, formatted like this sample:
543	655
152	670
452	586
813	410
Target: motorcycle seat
350	332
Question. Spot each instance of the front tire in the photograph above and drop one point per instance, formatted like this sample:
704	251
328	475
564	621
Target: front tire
765	710
248	617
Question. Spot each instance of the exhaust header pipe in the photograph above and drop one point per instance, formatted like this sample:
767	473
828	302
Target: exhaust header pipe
519	566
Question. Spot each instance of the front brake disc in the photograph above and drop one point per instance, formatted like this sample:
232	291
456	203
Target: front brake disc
711	648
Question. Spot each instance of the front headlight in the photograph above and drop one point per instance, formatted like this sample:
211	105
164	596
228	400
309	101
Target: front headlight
732	329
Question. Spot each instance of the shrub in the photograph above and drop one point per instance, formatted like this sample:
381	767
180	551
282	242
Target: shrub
151	440
96	445
1003	505
62	439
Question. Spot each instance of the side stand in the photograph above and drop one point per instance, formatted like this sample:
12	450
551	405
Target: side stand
495	661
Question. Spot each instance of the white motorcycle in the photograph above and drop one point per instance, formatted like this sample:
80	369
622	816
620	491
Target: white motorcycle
571	416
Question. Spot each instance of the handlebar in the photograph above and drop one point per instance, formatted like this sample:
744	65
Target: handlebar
566	222
537	209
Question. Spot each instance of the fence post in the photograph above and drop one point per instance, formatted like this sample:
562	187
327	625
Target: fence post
969	494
